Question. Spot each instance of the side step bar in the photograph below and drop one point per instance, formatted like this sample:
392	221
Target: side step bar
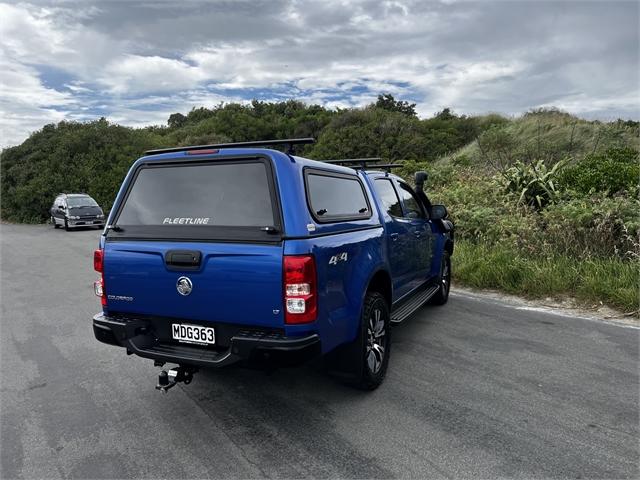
411	305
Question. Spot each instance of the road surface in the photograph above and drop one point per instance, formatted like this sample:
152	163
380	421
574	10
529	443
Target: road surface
476	388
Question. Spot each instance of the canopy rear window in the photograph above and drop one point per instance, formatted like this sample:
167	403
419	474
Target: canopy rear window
334	197
214	200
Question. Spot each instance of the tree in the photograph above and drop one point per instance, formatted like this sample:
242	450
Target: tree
387	102
176	120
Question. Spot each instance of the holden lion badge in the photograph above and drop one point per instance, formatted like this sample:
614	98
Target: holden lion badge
184	286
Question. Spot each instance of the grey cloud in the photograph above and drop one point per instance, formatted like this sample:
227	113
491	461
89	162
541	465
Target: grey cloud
505	56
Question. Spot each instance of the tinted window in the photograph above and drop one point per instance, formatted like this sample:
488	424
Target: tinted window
336	197
411	203
234	194
388	197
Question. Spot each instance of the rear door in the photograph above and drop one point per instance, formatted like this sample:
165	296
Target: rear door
198	241
421	231
399	237
62	210
55	212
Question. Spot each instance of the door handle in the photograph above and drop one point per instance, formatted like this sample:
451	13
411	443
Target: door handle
394	236
417	234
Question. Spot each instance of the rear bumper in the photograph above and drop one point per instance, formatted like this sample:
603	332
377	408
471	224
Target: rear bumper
147	337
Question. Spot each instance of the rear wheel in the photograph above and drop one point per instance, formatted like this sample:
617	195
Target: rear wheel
53	221
66	225
373	342
442	296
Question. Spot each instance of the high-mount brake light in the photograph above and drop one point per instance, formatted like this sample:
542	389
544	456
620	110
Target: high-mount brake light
98	285
207	151
300	289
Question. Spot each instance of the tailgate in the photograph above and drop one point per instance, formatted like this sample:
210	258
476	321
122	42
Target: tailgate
233	283
215	222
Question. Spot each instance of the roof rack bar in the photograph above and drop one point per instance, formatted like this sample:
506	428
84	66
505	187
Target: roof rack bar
354	160
384	166
365	163
287	142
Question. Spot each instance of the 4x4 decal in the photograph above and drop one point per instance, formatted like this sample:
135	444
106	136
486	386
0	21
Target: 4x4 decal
341	257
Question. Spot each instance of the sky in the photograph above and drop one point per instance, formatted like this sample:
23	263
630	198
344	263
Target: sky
137	62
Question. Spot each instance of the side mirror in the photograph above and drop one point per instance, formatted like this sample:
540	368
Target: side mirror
439	212
61	207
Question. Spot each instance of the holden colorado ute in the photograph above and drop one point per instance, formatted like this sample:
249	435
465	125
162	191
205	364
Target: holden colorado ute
217	254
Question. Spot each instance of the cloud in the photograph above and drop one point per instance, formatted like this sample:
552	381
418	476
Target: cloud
136	63
26	104
135	74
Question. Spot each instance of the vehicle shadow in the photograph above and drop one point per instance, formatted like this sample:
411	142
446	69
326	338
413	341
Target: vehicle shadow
313	377
310	382
78	229
292	420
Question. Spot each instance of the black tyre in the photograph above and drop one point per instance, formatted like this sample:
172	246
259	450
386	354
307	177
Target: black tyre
442	296
66	225
372	346
53	221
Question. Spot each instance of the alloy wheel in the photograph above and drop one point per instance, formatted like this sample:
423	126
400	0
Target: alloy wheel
446	277
376	340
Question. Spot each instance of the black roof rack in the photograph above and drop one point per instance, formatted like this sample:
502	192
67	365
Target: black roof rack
287	142
364	163
385	166
349	161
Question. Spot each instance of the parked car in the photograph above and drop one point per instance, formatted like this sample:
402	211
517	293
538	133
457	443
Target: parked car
71	210
226	253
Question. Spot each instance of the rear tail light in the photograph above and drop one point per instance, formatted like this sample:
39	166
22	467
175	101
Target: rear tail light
300	292
98	257
98	285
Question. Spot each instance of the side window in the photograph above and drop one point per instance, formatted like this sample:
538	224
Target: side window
411	202
335	197
388	197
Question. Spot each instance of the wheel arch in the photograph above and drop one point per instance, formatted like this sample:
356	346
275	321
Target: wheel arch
380	282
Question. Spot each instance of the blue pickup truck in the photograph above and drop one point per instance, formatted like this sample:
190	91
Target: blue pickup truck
217	254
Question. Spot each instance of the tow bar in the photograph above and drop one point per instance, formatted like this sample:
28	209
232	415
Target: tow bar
167	380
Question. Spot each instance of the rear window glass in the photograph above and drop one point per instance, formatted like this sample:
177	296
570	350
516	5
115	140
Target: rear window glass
220	195
336	197
388	197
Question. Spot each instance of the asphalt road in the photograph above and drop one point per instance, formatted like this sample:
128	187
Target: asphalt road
475	389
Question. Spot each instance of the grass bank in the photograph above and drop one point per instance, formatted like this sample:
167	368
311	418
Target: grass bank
611	281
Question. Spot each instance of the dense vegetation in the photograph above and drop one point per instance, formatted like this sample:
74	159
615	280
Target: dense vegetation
545	204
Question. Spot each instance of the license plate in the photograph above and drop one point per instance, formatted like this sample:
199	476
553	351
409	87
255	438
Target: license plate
193	334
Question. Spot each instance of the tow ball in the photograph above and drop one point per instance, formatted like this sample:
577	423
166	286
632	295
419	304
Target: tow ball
167	380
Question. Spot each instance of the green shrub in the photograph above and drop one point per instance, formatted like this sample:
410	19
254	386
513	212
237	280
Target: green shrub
593	227
610	172
532	184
